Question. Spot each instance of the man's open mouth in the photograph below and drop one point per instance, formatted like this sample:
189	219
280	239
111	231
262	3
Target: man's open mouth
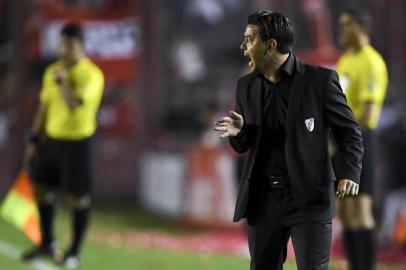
251	63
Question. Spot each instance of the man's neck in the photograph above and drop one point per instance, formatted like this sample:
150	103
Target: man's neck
361	42
71	62
272	72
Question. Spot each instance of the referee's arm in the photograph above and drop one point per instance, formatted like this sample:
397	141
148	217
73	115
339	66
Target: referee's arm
34	137
366	115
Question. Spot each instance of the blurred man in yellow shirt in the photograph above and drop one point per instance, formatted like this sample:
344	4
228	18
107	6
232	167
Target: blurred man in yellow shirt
364	80
60	140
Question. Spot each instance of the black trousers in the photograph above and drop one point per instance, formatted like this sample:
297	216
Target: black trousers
279	220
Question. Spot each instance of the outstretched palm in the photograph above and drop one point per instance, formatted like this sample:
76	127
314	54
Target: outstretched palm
230	125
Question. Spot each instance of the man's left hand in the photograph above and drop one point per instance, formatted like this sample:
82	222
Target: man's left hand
347	187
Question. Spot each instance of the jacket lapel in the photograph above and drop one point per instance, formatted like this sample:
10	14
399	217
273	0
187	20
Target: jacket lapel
256	110
296	93
255	99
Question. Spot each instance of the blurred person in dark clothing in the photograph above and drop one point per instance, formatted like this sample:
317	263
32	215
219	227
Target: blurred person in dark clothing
284	110
59	144
364	80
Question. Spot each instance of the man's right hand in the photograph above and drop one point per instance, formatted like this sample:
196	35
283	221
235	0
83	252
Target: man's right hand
61	75
230	125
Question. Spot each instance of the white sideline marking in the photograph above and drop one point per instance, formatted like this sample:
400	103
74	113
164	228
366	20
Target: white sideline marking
13	252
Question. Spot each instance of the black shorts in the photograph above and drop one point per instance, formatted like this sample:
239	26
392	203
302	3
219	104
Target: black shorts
64	165
368	162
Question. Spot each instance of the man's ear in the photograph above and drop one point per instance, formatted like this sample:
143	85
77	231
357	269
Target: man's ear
271	44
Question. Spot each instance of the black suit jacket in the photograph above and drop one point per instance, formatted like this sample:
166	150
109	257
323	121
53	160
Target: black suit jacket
316	96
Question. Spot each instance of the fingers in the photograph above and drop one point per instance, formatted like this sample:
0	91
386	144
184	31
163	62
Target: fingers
340	193
347	187
225	135
344	187
223	126
354	190
219	128
235	115
228	129
341	189
225	119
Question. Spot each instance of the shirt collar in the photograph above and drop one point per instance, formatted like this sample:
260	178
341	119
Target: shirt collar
289	65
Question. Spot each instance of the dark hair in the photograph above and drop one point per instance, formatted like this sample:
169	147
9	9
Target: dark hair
274	25
72	30
360	15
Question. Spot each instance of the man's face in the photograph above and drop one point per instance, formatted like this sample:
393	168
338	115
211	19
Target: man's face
254	48
69	48
349	30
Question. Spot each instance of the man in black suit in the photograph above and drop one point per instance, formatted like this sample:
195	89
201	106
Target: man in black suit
284	112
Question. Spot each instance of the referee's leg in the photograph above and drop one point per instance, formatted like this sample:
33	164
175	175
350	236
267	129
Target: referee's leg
356	212
81	211
77	179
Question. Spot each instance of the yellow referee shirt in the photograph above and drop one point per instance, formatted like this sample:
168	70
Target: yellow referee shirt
364	79
61	122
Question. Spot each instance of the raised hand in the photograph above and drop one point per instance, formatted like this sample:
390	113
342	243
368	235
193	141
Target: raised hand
230	125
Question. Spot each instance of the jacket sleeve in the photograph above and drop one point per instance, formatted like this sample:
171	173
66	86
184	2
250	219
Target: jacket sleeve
240	143
345	129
